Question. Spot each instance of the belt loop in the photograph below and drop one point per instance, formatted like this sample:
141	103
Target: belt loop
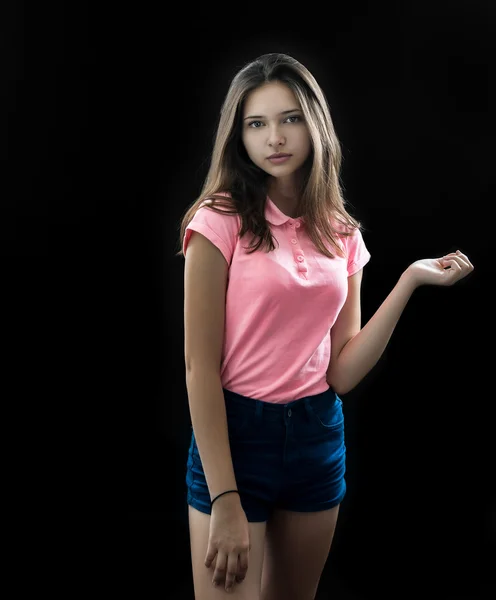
308	408
258	408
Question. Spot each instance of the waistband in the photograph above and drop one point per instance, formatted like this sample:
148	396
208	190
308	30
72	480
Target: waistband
275	410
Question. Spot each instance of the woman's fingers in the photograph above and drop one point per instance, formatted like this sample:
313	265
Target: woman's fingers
457	259
453	264
211	554
460	256
227	572
220	568
459	266
232	568
242	566
465	258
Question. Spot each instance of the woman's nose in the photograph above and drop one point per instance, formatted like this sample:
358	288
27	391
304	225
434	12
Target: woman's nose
276	138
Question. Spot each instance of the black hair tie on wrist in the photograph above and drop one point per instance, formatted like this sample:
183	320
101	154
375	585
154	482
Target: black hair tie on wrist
228	492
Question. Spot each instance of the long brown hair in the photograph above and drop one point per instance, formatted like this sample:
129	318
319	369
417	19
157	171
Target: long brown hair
237	186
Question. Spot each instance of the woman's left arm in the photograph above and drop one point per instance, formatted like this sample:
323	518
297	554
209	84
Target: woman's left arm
354	350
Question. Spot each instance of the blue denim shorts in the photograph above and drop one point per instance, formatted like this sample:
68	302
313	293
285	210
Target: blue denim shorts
289	456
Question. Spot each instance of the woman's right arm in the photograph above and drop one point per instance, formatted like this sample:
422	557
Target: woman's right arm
205	281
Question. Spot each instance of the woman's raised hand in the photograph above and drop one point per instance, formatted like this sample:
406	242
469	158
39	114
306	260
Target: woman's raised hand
446	270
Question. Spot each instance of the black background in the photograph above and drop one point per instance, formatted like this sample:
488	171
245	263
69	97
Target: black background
107	124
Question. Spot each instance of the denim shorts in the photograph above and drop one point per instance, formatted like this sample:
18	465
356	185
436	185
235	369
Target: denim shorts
289	456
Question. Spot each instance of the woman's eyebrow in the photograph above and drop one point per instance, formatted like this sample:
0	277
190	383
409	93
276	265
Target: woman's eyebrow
284	112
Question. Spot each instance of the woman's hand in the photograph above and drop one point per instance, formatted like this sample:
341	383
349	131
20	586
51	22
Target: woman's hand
229	542
446	270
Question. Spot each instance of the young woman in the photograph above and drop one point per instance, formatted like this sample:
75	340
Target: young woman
273	269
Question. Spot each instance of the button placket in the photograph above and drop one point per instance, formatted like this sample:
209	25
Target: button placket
293	226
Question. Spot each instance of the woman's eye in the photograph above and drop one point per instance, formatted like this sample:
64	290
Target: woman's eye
258	124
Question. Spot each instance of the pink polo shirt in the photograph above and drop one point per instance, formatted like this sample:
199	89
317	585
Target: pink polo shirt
280	306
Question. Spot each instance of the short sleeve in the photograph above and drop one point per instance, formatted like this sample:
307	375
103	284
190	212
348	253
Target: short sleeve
357	253
220	229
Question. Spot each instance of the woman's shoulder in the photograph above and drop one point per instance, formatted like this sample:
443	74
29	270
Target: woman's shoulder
219	211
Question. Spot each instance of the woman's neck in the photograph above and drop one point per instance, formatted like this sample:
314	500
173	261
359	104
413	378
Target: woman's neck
286	204
285	195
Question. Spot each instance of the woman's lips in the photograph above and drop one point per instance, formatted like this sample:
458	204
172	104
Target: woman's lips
277	160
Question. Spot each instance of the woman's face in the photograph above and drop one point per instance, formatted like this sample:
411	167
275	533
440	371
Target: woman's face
273	123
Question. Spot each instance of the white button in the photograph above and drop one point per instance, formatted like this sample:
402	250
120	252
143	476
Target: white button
297	224
300	258
293	241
